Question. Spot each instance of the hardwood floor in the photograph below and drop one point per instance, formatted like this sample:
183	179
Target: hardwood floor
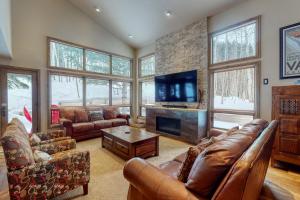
284	180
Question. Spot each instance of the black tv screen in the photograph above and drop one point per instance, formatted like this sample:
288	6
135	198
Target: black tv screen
179	87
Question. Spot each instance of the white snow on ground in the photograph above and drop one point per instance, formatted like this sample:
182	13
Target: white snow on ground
17	99
232	103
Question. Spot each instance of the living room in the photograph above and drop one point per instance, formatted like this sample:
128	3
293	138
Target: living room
137	99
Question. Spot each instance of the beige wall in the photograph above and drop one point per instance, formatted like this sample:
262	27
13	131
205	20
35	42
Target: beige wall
275	14
5	28
146	50
33	20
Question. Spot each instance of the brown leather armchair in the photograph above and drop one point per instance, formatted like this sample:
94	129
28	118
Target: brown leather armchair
242	179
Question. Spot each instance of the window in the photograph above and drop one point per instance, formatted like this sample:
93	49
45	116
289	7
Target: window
235	43
124	110
66	91
121	66
66	56
233	93
147	96
76	57
97	92
147	66
121	92
97	62
234	96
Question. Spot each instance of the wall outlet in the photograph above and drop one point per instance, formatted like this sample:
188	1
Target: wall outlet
266	81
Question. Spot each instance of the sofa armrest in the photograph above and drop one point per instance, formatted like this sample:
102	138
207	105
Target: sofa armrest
153	183
50	134
65	122
55	140
124	116
55	147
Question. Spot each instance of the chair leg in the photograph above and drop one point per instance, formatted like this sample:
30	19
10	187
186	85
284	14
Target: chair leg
85	189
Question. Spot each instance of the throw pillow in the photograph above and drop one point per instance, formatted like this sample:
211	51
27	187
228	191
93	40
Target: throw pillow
81	116
40	156
20	125
34	140
17	150
96	115
187	164
67	113
110	113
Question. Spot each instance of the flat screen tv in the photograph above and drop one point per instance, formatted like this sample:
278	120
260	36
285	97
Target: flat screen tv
179	87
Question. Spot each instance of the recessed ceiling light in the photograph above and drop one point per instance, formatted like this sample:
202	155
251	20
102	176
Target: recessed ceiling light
168	13
98	10
130	36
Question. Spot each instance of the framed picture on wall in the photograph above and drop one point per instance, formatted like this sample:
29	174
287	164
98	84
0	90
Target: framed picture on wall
290	51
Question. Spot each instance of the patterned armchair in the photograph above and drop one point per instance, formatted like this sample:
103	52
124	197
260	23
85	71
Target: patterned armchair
39	139
31	178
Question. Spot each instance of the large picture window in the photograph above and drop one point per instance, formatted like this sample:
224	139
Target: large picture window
235	43
97	92
97	62
65	56
121	66
147	66
70	56
66	90
146	83
82	76
234	74
234	97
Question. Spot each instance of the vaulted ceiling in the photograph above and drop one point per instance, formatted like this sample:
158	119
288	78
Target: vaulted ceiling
145	20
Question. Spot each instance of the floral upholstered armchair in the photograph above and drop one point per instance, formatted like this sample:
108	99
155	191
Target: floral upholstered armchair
41	138
43	171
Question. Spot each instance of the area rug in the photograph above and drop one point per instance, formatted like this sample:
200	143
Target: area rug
107	181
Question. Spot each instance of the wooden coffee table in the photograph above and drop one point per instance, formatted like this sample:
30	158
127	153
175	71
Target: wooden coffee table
128	142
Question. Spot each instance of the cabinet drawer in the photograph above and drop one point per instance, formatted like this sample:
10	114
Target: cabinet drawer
107	140
289	145
145	148
122	147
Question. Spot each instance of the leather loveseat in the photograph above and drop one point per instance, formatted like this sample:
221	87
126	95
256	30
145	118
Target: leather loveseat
83	123
233	168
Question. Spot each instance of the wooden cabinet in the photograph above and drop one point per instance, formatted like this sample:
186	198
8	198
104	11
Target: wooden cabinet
286	109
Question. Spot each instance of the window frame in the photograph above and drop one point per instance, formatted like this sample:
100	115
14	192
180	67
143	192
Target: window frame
257	20
254	61
140	80
140	66
85	48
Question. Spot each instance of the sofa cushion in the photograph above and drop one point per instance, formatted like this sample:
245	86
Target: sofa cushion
170	168
96	115
101	124
67	113
81	115
212	164
82	127
118	122
17	150
224	135
110	112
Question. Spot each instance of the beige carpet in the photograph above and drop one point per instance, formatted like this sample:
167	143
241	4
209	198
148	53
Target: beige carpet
107	182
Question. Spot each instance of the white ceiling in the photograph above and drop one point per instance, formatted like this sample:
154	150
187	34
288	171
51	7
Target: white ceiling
145	19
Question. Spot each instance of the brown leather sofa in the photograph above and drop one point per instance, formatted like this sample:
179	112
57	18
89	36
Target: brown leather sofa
80	124
233	168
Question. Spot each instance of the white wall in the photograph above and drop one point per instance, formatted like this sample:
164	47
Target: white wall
275	14
5	28
146	50
34	20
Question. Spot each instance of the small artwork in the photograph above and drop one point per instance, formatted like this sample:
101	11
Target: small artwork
290	51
